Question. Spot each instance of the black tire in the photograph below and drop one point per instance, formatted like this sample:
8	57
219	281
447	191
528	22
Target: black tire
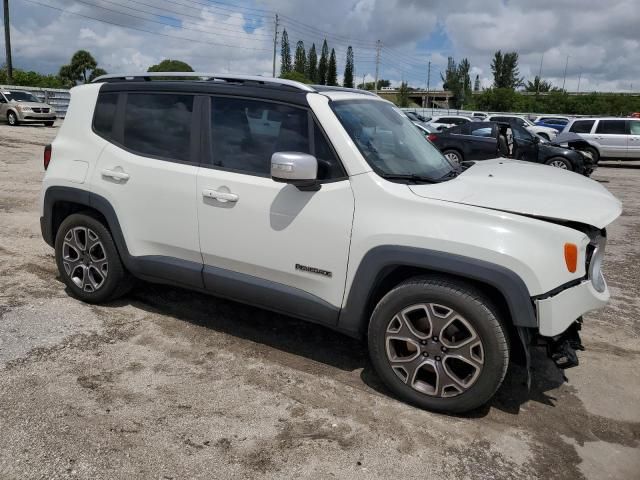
116	281
468	302
48	124
450	152
12	119
555	162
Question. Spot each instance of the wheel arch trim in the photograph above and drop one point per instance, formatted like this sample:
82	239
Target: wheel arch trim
378	262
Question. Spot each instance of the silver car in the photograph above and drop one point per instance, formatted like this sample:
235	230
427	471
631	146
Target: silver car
19	106
614	138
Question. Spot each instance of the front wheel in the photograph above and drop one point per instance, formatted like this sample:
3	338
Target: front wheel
12	119
439	344
88	260
560	162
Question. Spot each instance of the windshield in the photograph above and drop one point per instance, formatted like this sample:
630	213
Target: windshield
21	97
387	139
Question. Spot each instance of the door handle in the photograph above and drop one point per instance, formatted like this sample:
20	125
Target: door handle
221	196
115	174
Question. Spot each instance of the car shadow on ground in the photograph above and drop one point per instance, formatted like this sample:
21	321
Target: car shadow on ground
321	344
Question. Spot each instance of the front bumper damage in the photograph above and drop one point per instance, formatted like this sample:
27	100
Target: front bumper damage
562	348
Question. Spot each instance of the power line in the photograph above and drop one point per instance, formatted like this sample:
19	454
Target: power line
144	30
199	30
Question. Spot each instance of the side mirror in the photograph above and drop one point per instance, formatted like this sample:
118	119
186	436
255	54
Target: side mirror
296	168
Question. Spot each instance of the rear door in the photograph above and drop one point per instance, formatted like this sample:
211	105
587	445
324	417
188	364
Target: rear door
633	149
148	173
613	137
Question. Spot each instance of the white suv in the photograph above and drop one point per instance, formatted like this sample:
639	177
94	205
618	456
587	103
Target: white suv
547	133
340	213
612	138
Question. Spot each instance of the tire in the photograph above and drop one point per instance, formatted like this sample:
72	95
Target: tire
559	162
48	124
595	156
460	386
453	155
104	277
12	119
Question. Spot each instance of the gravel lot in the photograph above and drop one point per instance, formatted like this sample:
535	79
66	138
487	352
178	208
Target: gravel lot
169	384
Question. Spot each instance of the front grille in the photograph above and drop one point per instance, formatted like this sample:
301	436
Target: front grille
36	110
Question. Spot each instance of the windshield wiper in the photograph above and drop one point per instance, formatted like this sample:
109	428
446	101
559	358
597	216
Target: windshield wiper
408	176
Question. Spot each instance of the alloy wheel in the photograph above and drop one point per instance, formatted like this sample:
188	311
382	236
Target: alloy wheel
558	164
452	157
11	118
434	350
85	259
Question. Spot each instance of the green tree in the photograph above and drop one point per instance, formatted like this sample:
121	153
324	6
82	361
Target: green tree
285	54
83	63
312	64
30	78
402	99
452	81
323	66
538	85
300	60
506	73
464	78
170	66
369	85
68	76
476	84
97	72
347	81
297	76
332	69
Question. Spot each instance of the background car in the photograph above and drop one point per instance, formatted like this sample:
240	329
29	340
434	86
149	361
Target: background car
545	132
486	140
448	121
612	138
19	106
556	122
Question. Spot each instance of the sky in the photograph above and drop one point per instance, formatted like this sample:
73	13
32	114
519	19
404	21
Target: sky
597	41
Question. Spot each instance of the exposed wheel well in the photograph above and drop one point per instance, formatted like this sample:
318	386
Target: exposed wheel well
62	209
393	276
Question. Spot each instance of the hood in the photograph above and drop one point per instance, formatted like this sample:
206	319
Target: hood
528	189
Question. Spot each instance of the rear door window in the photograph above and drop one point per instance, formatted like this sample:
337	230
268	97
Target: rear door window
582	126
159	125
612	127
634	128
481	132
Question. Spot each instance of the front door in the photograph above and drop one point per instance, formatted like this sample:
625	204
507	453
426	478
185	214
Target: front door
262	241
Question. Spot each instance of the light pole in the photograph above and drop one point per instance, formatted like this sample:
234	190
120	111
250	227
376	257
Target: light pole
565	72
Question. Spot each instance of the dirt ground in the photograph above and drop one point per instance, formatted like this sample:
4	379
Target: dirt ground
169	384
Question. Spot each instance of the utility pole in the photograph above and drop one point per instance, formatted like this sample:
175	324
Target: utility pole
539	75
375	85
275	44
579	77
7	41
565	72
364	87
428	83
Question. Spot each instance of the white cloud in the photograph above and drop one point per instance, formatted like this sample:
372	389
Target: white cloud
601	38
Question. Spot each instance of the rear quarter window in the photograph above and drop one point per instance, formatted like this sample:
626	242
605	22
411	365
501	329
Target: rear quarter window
104	115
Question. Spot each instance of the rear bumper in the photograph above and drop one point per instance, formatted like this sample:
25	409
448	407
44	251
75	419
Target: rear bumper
558	312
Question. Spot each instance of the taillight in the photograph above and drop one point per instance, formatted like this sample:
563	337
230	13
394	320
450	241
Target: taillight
432	137
47	156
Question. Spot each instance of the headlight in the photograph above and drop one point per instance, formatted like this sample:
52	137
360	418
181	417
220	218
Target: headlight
595	265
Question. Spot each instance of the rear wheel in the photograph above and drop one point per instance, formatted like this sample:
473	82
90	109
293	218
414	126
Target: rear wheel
12	119
453	155
559	162
438	344
88	260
